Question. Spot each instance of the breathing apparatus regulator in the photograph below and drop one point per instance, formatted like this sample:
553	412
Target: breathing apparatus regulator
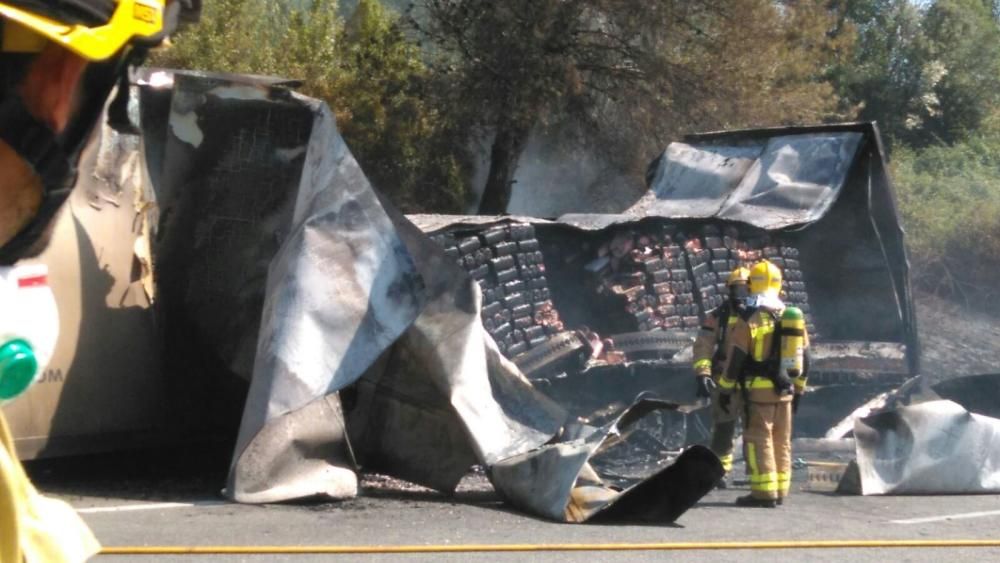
29	327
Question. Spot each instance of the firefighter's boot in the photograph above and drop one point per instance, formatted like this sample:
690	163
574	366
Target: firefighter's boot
750	501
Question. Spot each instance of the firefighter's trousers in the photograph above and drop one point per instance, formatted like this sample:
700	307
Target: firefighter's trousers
767	443
724	429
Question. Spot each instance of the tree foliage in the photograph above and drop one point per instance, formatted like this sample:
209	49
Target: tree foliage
950	201
413	151
634	72
929	73
616	80
279	38
963	41
928	76
367	71
522	61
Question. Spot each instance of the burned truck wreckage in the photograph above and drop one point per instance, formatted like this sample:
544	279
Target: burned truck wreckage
554	353
593	305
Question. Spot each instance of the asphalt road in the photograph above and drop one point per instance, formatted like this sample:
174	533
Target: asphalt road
158	502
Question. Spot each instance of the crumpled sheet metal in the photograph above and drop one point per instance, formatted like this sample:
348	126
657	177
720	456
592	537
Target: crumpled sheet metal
563	481
356	294
362	341
446	398
977	393
772	181
795	180
371	353
912	391
340	291
694	181
343	289
789	180
937	447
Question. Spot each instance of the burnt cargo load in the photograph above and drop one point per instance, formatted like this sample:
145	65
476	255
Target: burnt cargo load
285	284
581	292
391	367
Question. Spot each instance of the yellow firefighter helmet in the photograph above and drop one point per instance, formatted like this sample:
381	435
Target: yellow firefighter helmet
738	275
94	29
765	279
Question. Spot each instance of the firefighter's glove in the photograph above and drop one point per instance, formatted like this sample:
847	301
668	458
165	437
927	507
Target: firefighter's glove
795	403
724	400
704	388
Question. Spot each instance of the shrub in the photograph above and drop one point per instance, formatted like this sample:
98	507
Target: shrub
366	70
949	198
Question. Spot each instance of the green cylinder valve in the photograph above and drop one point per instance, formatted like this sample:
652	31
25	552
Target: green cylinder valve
18	368
792	313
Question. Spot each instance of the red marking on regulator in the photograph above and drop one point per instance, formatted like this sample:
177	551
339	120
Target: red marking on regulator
33	281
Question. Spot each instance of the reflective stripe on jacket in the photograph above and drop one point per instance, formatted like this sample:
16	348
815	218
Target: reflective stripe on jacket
707	341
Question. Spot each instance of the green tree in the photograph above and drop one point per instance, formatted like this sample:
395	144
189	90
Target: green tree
366	70
963	44
884	78
769	63
408	146
281	38
626	73
927	76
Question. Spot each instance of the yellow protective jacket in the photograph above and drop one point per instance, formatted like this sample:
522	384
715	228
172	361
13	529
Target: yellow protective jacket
749	342
708	339
34	528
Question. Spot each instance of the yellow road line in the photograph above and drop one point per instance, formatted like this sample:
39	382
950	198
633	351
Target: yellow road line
497	548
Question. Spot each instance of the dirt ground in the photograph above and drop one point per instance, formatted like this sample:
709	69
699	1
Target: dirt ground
956	341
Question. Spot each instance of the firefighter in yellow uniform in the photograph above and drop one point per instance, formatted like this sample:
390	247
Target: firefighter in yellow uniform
34	528
767	366
59	63
708	362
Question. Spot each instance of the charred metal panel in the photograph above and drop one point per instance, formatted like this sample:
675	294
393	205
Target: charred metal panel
340	291
855	254
936	447
574	481
796	180
769	182
232	162
829	221
694	181
279	262
912	391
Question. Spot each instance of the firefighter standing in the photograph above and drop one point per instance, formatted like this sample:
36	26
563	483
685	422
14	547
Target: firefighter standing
708	362
59	63
766	364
